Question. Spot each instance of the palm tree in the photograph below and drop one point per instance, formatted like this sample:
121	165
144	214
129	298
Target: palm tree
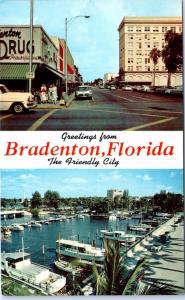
116	279
154	55
172	53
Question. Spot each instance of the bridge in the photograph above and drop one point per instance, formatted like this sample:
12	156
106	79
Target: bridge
11	214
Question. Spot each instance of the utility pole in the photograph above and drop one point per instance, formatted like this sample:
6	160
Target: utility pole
31	45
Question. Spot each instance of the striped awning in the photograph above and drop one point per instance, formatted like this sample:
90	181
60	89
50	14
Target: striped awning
15	71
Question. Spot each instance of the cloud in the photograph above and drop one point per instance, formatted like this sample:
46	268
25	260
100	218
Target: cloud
75	180
114	176
144	177
27	176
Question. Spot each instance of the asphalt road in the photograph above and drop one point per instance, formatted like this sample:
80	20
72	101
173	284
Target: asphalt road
109	110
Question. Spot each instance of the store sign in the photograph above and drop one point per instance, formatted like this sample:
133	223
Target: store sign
12	44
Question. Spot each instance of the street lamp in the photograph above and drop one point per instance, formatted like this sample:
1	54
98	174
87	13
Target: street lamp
66	23
31	45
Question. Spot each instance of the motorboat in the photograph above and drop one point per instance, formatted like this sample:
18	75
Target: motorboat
36	225
18	265
66	266
16	227
78	250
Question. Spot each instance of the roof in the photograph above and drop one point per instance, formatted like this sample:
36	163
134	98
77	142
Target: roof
150	20
75	244
15	71
15	255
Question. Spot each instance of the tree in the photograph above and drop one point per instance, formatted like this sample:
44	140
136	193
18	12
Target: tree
172	53
52	199
36	200
116	279
154	55
26	203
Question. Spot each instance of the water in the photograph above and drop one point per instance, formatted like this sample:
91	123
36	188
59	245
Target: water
35	239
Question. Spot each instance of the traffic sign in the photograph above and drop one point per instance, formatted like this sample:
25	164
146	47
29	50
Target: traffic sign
30	75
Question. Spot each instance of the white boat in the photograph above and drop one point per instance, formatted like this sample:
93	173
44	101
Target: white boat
36	224
80	216
118	235
67	267
112	217
75	249
17	227
18	265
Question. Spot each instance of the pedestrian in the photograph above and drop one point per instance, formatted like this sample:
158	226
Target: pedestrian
43	93
54	94
50	93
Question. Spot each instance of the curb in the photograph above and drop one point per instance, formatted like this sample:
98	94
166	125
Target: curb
57	106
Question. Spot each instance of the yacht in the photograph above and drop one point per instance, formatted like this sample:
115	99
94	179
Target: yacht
18	265
117	235
16	227
68	267
80	216
112	217
36	225
76	249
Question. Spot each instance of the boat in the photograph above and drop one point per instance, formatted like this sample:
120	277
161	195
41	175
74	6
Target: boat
18	265
142	228
68	267
36	225
80	216
112	217
120	236
16	227
78	250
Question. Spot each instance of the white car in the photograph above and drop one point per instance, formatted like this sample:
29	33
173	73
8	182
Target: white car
15	101
112	88
127	88
83	91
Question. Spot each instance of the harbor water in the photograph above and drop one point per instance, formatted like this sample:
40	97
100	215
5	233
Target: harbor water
41	242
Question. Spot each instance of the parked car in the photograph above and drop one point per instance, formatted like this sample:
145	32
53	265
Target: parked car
160	90
137	88
177	90
15	101
145	88
127	88
83	91
112	88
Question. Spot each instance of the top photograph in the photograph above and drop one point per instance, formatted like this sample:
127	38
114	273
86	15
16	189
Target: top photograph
91	65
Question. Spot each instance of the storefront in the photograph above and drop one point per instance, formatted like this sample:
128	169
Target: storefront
14	58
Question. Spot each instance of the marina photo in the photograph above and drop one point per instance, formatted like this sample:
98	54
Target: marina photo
67	245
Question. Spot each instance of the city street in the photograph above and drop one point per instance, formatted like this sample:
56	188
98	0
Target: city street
109	110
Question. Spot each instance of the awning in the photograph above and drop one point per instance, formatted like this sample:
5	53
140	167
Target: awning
55	72
15	71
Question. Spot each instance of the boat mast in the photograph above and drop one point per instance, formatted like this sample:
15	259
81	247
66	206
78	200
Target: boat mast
23	248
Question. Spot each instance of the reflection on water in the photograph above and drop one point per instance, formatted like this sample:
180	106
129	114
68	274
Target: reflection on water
41	242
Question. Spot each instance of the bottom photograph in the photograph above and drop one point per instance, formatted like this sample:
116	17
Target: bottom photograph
92	232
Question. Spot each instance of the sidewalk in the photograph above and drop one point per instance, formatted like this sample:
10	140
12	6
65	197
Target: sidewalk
60	103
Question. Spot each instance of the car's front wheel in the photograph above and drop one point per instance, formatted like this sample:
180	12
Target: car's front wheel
18	108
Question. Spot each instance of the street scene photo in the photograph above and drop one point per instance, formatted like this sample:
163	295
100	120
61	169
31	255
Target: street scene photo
91	65
92	232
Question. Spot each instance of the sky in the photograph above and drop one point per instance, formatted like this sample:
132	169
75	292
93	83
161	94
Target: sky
93	42
91	182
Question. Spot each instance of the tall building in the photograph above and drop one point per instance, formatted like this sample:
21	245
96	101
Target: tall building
111	194
109	76
137	37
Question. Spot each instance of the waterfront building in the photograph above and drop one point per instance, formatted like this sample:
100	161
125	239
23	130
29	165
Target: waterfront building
14	58
137	37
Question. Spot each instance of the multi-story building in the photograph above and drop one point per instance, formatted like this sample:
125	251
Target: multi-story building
109	76
112	194
137	37
48	58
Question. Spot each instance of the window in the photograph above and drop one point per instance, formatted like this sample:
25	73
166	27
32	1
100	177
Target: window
180	28
163	45
147	37
138	52
148	68
164	29
147	29
130	36
173	29
147	60
130	28
155	29
156	44
147	45
139	45
130	60
130	44
138	68
138	29
130	52
130	68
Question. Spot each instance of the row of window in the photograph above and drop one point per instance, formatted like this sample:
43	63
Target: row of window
154	28
146	68
149	45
